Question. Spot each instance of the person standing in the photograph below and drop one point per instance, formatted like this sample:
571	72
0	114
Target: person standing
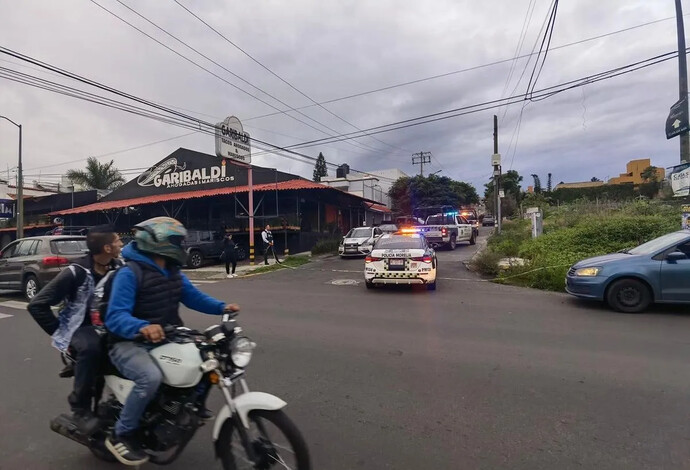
75	327
267	237
230	255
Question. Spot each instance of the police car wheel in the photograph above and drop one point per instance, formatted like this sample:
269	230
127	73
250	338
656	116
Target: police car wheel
431	286
370	285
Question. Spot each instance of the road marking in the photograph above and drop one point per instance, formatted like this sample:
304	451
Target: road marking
203	282
4	315
344	282
14	304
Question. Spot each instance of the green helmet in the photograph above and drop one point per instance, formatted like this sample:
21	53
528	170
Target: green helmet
162	236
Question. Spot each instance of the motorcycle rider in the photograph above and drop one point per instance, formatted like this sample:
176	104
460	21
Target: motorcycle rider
75	326
145	307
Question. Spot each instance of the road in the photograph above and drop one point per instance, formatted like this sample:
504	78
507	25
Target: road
474	375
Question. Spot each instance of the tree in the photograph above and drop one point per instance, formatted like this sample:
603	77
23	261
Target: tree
650	175
320	168
510	183
408	193
548	184
537	184
595	179
97	175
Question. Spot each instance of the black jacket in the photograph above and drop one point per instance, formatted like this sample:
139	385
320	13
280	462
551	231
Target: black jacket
229	249
63	287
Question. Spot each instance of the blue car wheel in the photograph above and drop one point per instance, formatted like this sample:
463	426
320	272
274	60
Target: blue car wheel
629	296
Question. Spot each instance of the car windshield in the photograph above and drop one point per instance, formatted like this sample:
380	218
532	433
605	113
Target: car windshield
399	242
359	233
436	220
658	244
68	247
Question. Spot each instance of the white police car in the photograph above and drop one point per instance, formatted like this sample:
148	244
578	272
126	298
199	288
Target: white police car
401	258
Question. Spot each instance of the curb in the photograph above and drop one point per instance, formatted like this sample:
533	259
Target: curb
481	246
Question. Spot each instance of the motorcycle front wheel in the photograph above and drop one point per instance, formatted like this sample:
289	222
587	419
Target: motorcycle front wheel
275	440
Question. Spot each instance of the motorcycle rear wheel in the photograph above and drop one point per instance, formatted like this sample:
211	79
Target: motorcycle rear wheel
281	448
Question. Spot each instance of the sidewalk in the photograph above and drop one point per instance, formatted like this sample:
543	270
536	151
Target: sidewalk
217	271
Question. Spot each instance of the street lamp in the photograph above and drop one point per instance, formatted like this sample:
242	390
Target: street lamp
20	184
435	172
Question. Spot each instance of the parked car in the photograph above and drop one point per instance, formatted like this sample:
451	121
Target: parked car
202	245
488	221
631	280
28	264
359	241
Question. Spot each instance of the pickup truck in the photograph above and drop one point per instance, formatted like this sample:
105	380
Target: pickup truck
448	230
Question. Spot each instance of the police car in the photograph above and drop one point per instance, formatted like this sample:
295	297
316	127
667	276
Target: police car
404	257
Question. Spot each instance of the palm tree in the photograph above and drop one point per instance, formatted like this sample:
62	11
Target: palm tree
97	175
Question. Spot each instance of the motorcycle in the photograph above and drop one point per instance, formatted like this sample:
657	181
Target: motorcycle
217	356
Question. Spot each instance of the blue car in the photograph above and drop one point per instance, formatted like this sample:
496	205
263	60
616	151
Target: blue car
631	280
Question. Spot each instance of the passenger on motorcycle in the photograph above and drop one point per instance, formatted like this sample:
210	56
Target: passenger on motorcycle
74	330
145	307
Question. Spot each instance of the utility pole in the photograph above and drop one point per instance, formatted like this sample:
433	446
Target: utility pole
682	81
20	184
496	162
420	159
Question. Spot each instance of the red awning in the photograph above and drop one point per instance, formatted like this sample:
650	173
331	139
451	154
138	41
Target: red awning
137	201
379	208
26	227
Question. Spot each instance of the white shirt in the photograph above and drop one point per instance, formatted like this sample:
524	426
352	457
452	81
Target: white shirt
264	237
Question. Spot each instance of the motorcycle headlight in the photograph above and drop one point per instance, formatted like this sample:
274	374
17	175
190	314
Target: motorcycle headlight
241	351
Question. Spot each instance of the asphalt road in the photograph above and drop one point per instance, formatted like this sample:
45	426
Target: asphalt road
474	375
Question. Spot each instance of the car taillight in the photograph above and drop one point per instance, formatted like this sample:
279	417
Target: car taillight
444	231
371	259
55	261
424	259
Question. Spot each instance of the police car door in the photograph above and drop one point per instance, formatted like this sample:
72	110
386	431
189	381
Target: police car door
464	228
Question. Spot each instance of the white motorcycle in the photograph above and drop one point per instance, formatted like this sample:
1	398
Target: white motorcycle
192	362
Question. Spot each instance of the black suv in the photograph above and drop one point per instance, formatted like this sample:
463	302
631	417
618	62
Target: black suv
203	245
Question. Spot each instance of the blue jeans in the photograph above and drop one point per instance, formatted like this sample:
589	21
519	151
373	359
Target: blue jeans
134	362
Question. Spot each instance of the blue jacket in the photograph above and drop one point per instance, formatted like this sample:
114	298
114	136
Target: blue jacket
120	320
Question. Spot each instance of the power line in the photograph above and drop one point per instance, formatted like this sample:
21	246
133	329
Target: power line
537	95
477	67
547	39
224	68
275	74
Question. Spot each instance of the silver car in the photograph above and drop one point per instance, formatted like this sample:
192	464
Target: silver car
28	264
359	241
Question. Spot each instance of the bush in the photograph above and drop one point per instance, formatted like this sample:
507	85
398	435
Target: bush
486	263
572	233
326	246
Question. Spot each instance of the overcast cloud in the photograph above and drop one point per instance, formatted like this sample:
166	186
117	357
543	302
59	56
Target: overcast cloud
331	49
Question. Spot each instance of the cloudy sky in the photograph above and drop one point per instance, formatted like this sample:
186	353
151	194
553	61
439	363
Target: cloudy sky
334	49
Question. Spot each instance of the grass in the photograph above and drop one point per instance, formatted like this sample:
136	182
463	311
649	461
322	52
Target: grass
289	262
326	246
572	233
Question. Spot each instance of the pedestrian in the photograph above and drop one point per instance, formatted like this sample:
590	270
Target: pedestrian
229	255
75	329
267	237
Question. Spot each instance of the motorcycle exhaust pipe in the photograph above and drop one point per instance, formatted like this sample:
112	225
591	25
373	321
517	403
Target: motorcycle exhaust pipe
64	426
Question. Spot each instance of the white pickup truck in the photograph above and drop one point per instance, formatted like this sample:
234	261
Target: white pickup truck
448	230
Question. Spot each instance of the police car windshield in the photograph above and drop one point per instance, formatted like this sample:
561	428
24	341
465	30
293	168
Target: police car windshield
359	233
399	243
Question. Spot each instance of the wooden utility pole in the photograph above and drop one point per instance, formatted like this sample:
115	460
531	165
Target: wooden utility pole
420	159
496	162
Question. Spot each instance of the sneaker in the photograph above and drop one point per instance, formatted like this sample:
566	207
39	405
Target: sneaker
229	276
126	450
205	414
85	422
